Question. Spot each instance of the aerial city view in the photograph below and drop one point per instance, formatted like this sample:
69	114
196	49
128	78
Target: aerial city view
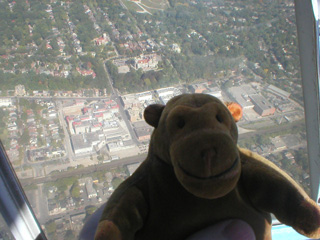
76	77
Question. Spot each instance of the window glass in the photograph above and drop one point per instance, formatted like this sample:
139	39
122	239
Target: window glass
75	77
5	232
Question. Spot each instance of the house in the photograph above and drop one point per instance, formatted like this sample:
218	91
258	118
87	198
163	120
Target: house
20	90
198	88
146	62
84	72
91	192
103	40
175	47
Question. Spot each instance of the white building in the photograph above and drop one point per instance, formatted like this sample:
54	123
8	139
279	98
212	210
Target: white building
216	92
144	96
163	92
241	95
84	143
277	91
5	102
20	90
120	145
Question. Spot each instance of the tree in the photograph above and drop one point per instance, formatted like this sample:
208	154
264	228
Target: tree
24	116
24	103
90	210
116	182
100	158
69	235
75	190
25	138
51	227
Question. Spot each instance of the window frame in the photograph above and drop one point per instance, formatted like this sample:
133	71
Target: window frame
14	205
308	37
18	213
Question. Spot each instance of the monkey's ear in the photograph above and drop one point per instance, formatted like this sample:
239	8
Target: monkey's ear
235	110
152	114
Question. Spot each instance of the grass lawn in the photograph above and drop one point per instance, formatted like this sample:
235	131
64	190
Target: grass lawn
161	4
132	6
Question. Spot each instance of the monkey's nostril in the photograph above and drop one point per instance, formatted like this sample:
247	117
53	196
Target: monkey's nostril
181	123
219	118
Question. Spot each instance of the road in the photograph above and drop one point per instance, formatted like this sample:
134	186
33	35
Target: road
89	169
42	204
123	5
67	142
115	96
273	129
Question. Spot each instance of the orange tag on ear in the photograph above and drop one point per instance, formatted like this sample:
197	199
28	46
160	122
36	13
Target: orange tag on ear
235	110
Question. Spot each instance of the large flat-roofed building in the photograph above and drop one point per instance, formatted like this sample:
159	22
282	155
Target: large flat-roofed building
165	91
241	95
278	92
134	114
122	65
84	143
5	102
130	100
165	94
261	105
120	145
142	130
215	91
143	134
81	127
144	96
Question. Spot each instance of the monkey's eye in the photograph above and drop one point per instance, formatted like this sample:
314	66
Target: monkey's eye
181	123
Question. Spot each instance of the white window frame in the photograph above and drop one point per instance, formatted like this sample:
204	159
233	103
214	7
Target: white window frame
307	15
14	205
20	218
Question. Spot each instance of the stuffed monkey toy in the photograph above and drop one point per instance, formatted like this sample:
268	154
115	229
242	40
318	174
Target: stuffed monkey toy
195	175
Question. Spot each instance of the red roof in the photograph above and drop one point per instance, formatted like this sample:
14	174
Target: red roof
98	115
76	123
100	110
84	117
69	118
146	60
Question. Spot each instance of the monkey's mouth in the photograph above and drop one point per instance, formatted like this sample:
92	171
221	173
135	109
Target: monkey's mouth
226	174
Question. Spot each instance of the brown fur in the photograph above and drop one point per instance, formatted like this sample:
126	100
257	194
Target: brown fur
195	176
